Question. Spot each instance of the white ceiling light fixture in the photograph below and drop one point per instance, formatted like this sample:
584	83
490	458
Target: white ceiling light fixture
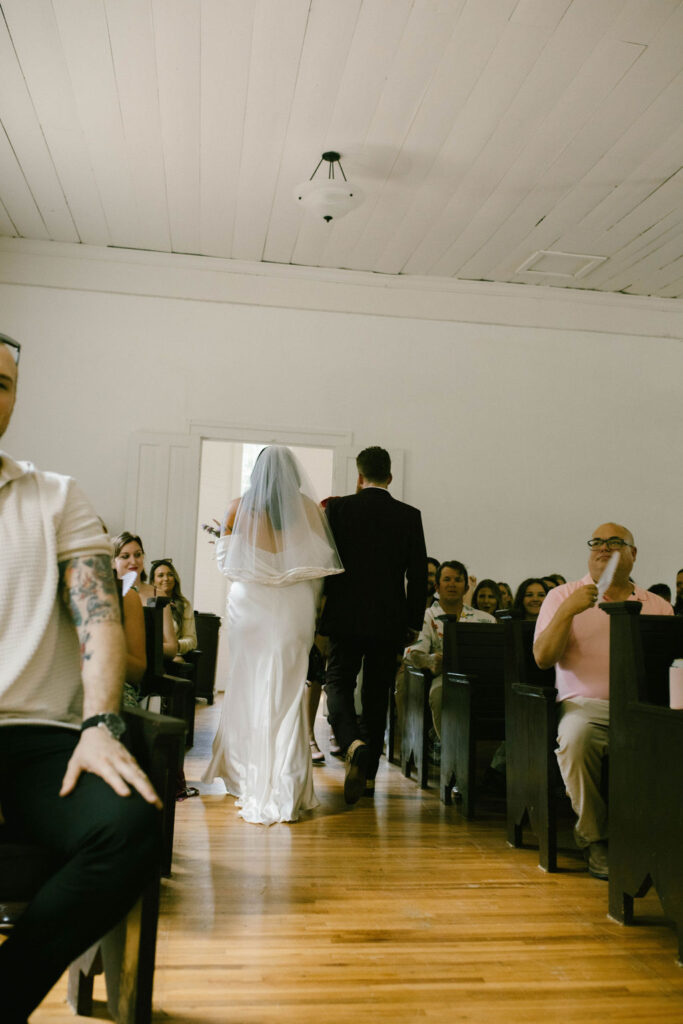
331	197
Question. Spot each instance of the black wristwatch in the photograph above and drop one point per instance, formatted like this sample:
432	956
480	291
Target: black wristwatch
114	723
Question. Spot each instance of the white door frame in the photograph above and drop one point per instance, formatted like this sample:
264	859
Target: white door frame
162	486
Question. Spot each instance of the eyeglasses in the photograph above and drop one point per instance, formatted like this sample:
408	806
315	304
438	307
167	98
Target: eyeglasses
14	345
611	543
160	561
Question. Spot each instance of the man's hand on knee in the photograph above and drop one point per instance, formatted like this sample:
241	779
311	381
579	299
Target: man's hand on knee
99	753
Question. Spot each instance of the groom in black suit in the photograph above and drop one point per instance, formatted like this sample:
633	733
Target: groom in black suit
370	615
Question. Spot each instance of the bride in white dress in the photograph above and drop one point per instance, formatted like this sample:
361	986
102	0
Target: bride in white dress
276	549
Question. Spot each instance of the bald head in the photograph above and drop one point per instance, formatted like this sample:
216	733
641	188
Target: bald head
601	554
8	385
614	530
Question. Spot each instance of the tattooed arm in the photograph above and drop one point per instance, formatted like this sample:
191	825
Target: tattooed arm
89	592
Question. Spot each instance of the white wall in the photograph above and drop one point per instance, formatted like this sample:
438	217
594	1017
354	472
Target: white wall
519	439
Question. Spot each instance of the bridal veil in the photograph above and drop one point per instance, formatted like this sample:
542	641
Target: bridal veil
280	534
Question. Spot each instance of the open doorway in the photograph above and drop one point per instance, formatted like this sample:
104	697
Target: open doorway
224	474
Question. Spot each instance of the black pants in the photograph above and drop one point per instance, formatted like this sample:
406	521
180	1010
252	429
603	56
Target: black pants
108	848
377	656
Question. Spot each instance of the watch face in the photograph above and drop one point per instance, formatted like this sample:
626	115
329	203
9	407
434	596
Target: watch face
115	724
112	722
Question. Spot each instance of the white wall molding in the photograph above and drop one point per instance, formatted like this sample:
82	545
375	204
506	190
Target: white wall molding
69	266
310	438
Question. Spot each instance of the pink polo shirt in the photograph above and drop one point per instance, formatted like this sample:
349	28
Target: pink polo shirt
583	669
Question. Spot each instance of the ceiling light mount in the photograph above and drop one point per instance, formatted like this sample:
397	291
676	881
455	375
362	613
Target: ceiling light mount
329	198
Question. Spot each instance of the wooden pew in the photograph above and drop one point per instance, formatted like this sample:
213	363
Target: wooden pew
177	692
473	703
533	777
207	626
646	764
127	953
417	721
186	669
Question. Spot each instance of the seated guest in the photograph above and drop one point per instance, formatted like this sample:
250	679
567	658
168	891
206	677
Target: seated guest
487	597
530	596
572	634
661	590
66	780
678	607
166	583
129	556
133	621
432	567
427	651
506	598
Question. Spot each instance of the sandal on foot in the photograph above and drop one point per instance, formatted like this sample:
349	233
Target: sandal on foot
335	749
317	756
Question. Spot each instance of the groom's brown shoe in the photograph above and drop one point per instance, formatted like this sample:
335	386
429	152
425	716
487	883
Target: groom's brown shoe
356	771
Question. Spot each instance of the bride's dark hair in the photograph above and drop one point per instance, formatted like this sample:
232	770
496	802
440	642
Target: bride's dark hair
266	482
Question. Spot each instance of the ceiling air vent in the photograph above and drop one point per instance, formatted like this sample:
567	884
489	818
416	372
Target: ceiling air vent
547	263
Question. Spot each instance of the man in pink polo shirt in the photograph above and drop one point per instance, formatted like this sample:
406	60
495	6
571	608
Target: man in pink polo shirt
572	633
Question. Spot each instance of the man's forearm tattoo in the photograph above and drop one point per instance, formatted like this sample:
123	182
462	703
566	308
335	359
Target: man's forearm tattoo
89	592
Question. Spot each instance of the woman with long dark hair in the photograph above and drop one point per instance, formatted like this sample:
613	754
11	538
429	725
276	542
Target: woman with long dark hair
487	597
530	596
164	578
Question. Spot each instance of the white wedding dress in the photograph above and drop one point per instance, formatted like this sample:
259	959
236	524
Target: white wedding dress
276	553
261	749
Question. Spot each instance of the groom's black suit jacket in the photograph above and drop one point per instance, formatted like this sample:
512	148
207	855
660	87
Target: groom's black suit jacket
381	543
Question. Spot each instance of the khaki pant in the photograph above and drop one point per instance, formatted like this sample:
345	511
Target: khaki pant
435	695
582	743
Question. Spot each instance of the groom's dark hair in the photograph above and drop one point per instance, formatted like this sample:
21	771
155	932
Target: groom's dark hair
374	464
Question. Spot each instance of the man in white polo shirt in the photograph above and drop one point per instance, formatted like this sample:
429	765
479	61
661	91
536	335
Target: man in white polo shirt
66	781
572	634
452	582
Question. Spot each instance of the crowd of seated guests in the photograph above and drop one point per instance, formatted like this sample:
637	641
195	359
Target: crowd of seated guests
448	595
179	636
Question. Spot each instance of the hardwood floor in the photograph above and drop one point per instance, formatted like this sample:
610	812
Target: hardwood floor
395	911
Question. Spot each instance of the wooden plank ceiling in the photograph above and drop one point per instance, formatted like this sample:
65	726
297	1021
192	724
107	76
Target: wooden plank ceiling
482	132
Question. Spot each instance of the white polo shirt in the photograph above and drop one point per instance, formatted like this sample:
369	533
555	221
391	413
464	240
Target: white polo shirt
44	519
